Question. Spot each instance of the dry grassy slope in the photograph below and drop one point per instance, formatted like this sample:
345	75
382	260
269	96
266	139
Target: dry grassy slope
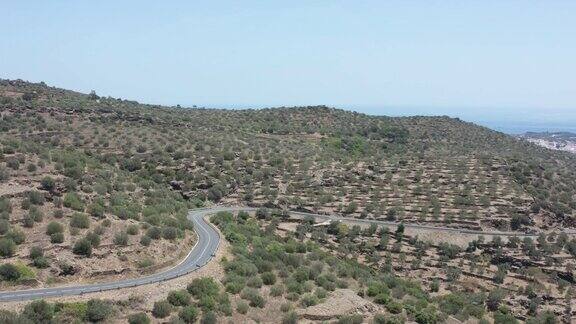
318	158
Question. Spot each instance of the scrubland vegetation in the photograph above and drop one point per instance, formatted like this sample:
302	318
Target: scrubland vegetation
94	187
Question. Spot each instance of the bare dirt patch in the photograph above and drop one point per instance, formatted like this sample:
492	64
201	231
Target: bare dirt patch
341	302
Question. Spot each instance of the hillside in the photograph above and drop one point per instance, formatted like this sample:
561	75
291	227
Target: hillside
96	188
427	169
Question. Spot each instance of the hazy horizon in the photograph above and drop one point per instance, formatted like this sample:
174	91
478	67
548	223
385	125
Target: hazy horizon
505	120
509	65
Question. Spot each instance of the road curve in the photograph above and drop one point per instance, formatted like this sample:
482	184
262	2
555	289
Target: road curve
203	251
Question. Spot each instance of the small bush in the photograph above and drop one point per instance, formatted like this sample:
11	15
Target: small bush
161	309
351	319
98	310
41	262
276	290
188	314
121	238
93	238
96	210
179	298
285	307
203	287
9	272
57	238
132	229
35	252
39	311
5	205
254	297
4	226
17	236
7	247
290	318
309	300
138	318
209	318
58	213
54	227
254	282
268	278
170	233
36	197
48	183
242	307
83	247
73	201
154	233
80	221
145	240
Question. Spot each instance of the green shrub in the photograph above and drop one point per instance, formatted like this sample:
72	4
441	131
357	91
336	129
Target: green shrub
285	307
154	232
57	238
242	307
145	240
188	314
36	197
5	205
121	238
382	299
161	309
268	278
308	300
254	282
80	221
48	183
205	286
25	271
83	247
7	247
321	292
290	318
35	252
98	310
9	272
41	262
54	227
39	311
58	213
4	226
72	200
209	318
179	298
254	297
132	229
35	214
276	290
394	307
93	238
145	263
138	318
96	210
28	221
16	235
170	233
351	319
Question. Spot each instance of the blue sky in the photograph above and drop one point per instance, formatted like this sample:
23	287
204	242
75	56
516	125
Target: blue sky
486	61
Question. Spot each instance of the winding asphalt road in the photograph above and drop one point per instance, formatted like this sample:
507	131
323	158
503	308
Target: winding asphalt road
203	251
